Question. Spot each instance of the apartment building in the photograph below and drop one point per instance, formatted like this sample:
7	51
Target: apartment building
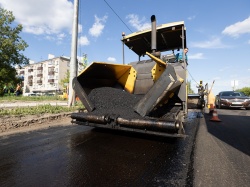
44	76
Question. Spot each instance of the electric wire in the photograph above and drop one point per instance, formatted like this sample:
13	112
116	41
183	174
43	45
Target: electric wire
192	77
118	16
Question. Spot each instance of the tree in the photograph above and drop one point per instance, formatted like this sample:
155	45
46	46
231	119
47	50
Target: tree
65	80
11	45
189	89
245	90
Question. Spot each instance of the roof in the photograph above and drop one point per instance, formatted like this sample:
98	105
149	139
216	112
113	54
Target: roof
168	38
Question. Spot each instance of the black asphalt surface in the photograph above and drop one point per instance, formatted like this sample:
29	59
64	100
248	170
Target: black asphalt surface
222	150
72	155
75	155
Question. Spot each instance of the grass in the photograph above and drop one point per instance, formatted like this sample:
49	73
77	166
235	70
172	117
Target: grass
39	109
29	98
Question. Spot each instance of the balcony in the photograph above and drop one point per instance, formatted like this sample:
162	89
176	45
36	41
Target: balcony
51	80
22	72
30	82
40	68
52	72
30	70
30	77
39	75
39	81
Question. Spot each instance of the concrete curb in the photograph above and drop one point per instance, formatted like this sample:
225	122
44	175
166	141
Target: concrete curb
14	122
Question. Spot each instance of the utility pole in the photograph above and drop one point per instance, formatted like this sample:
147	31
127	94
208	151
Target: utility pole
123	58
73	58
234	84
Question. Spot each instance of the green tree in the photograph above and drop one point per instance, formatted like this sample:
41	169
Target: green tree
245	90
11	46
65	80
189	89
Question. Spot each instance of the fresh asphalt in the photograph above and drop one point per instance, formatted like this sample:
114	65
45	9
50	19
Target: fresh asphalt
214	154
222	150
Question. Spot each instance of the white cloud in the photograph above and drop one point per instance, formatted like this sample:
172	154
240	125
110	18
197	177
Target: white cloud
83	40
248	42
58	38
61	36
41	16
111	59
79	28
215	43
238	28
98	26
196	56
191	17
137	23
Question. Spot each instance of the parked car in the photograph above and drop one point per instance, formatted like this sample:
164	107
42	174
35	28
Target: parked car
232	99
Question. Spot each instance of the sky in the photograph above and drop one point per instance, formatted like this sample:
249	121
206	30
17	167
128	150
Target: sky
218	33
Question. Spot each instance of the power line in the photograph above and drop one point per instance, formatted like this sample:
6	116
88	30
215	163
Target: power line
118	16
192	77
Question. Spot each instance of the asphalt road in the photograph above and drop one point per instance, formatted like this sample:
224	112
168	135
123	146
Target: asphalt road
222	151
215	154
72	155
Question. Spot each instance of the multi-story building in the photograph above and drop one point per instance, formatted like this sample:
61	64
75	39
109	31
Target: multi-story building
44	76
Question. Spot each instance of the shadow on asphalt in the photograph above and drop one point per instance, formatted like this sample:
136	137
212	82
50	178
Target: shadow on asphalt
233	130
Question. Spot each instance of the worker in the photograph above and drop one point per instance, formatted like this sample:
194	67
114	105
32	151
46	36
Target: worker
179	57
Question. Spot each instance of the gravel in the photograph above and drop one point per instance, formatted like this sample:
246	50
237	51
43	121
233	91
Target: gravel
109	100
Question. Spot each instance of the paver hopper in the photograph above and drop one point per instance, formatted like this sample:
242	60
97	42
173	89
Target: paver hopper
146	96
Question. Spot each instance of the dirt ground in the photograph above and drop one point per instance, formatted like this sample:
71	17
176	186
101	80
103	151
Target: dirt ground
12	124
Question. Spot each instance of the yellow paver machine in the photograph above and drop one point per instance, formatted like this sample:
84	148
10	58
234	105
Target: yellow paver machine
145	96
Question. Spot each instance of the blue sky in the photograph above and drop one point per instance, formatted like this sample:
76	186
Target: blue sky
218	32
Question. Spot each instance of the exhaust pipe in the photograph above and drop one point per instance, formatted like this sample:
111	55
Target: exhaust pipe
153	33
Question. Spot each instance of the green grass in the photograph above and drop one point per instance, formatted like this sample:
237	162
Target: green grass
39	109
29	98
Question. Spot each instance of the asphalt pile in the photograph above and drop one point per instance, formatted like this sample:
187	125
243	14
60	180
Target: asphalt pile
114	101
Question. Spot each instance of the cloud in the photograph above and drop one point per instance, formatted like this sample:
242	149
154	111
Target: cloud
214	43
79	28
191	17
111	59
138	24
83	40
98	26
238	28
196	56
57	37
42	16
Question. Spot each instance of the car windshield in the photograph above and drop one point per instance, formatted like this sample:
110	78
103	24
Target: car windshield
232	94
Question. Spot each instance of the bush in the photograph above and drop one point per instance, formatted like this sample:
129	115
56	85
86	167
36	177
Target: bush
245	90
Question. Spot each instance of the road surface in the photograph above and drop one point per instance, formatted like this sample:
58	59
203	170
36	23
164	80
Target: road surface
222	153
215	154
72	155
